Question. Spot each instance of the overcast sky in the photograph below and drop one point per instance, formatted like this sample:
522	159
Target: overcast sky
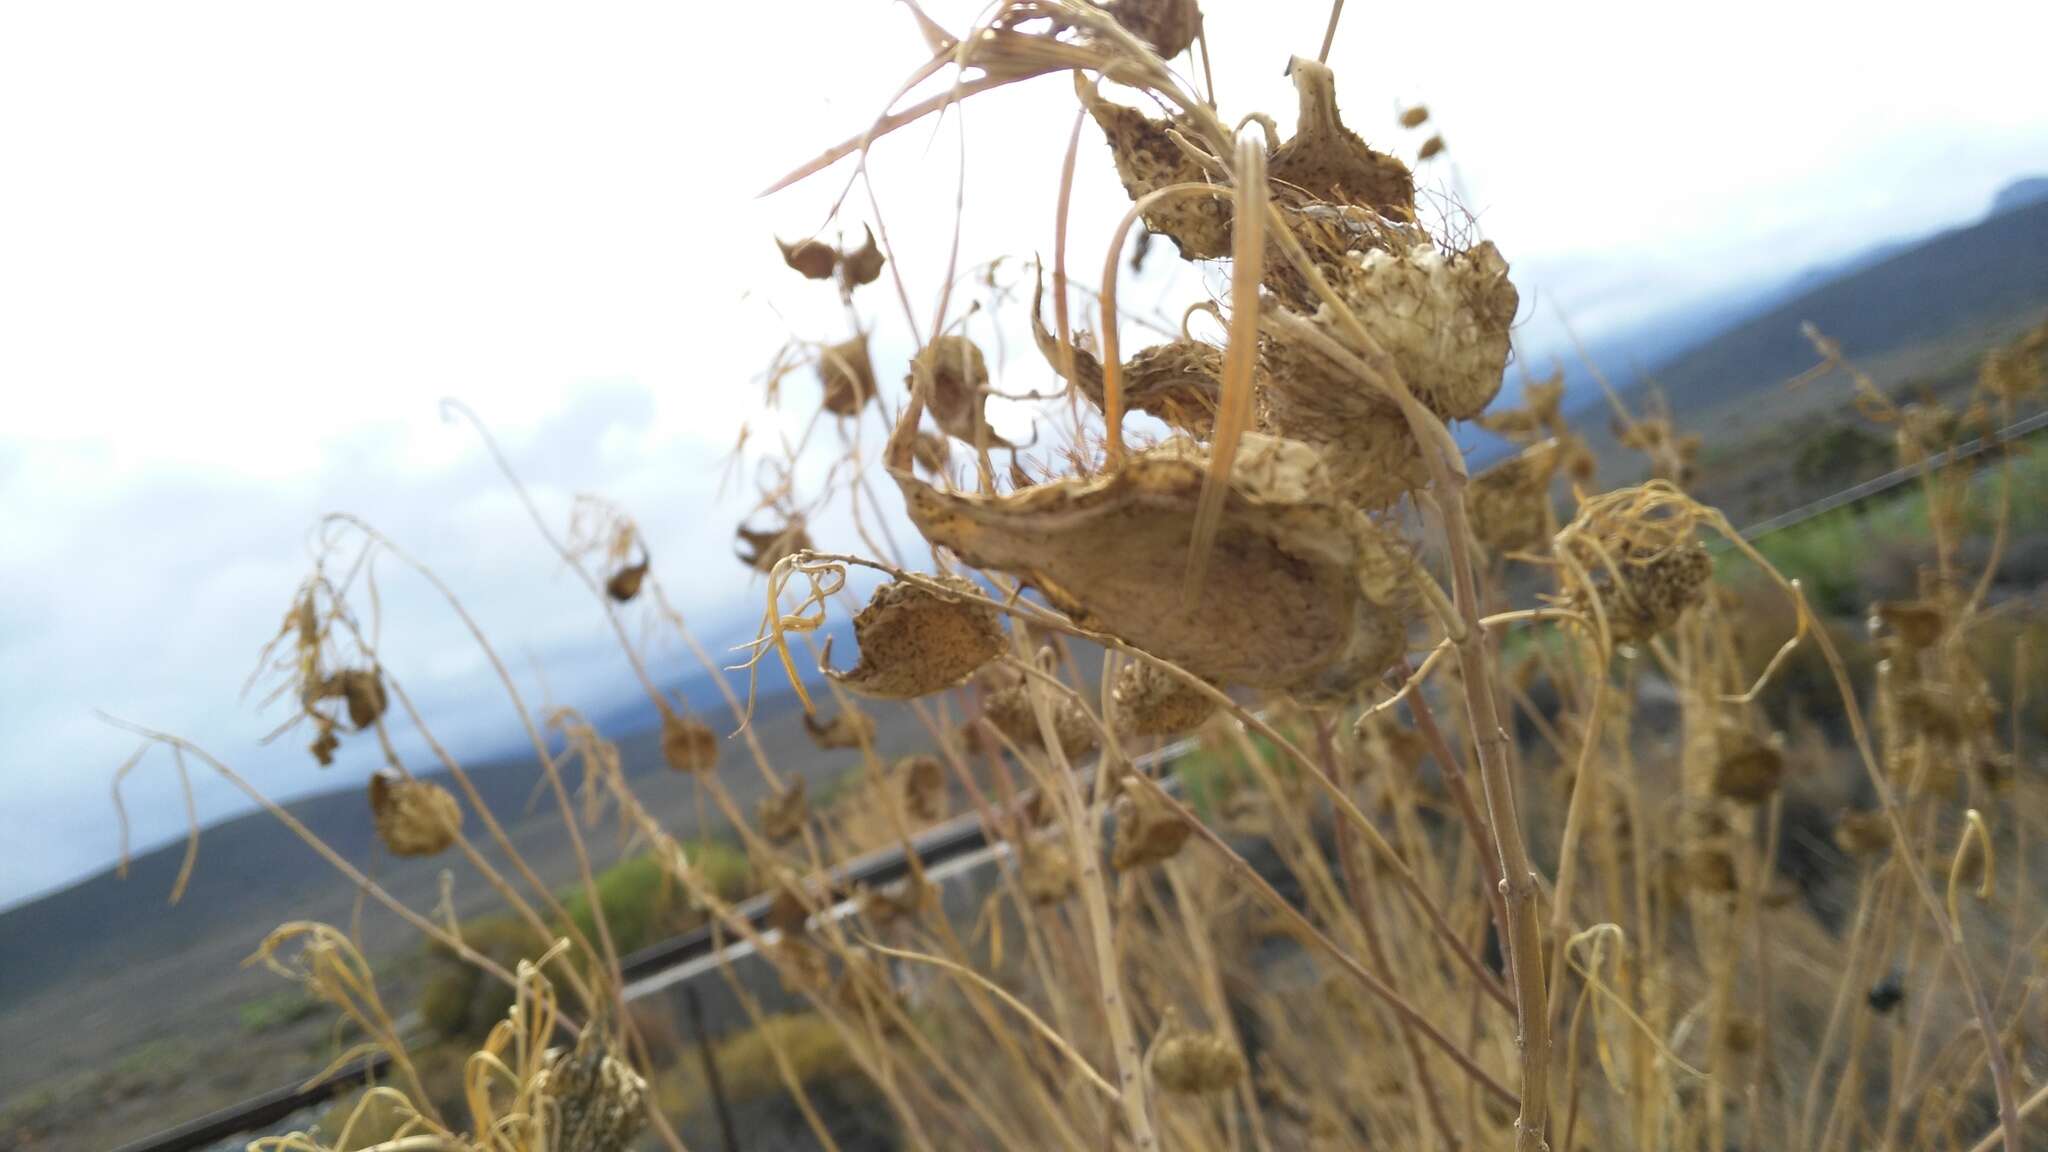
246	248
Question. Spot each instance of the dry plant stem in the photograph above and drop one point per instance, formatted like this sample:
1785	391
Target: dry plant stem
1585	788
1356	884
1468	810
1330	33
1308	931
1489	738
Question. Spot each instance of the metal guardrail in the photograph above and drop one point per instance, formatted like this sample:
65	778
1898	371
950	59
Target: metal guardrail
946	848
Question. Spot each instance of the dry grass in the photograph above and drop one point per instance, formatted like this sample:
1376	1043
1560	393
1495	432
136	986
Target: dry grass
1390	924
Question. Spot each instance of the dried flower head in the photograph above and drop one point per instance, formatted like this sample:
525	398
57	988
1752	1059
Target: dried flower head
1747	767
413	817
784	812
848	375
1148	159
848	729
1639	559
1863	833
1282	605
958	379
361	690
1914	625
921	782
1046	870
688	744
1510	502
763	550
597	1100
1153	702
915	640
1328	161
1008	707
1148	830
814	258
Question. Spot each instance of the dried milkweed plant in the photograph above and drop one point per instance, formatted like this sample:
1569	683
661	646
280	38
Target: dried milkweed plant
1337	791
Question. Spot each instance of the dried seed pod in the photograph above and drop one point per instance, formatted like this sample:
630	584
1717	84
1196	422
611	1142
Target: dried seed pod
624	584
1282	606
848	375
362	689
1414	117
1151	701
1887	993
884	906
915	641
413	817
814	258
1748	767
1739	1035
325	743
789	908
762	551
1709	867
687	743
1046	871
861	266
1195	1063
1179	382
1431	148
1329	162
931	453
1938	712
1510	502
1147	159
1166	26
1863	833
596	1100
921	781
1009	709
1148	830
800	964
783	813
848	729
958	388
1654	591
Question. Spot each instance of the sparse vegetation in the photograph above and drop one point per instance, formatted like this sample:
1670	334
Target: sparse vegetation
1376	919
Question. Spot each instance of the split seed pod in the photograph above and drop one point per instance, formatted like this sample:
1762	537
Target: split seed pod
762	551
1153	702
848	376
1148	830
959	388
1009	708
1179	382
413	817
1748	767
1283	605
1147	159
1329	162
1654	592
846	730
861	266
782	814
688	744
814	258
921	780
915	641
596	1097
1166	26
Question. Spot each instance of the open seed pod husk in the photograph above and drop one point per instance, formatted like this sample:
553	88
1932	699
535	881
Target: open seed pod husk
1328	161
1194	1063
848	729
763	550
1166	26
848	375
915	641
362	690
814	258
959	388
1510	502
1179	382
596	1100
1148	830
921	781
783	813
1009	708
1748	767
413	817
1283	605
1147	160
1151	701
861	266
688	744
